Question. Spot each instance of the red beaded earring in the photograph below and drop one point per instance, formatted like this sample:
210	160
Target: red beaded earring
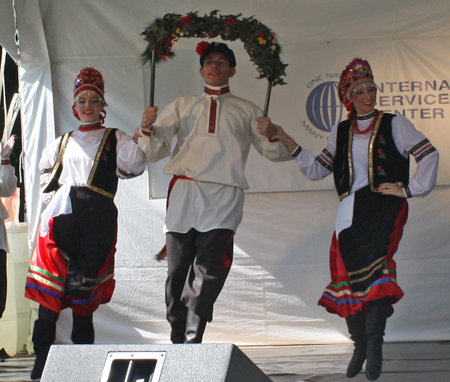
75	113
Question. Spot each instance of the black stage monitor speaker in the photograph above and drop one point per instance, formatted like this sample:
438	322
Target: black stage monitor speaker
150	363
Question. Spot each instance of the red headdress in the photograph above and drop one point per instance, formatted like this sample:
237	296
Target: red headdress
355	73
90	79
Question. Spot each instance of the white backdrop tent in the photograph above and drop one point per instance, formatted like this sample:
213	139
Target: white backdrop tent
281	248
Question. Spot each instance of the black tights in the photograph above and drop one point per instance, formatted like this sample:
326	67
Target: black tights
82	329
47	314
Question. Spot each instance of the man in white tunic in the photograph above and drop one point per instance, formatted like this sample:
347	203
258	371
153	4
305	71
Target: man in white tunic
214	133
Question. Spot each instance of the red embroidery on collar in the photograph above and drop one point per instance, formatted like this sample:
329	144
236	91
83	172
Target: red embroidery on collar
209	91
212	116
91	128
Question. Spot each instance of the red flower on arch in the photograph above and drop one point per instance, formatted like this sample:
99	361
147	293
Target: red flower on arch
185	20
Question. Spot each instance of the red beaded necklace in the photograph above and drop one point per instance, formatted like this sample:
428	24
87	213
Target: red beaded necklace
354	124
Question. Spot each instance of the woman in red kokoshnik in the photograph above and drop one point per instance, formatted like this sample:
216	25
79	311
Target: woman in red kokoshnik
368	155
73	261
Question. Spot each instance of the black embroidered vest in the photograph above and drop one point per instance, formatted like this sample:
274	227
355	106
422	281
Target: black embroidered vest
102	178
386	164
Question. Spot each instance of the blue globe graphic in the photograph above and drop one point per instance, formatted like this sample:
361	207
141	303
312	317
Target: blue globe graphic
323	106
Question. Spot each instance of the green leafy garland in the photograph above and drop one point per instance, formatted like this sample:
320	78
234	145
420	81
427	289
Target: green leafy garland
259	41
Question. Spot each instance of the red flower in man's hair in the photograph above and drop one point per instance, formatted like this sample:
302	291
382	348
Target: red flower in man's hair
229	21
201	47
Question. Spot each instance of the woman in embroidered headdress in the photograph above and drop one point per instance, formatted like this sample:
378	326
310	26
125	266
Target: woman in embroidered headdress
368	155
73	261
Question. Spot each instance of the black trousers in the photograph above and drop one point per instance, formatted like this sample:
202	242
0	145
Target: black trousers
198	265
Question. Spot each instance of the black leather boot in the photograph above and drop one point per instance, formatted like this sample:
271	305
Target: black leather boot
83	330
356	325
195	327
177	334
43	337
375	326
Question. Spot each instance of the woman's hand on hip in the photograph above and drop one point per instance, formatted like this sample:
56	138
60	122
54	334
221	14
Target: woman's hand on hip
391	189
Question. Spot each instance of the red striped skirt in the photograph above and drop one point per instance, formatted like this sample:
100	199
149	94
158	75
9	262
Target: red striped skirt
361	260
47	275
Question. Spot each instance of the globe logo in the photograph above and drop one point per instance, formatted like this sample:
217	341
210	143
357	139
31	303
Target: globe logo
323	106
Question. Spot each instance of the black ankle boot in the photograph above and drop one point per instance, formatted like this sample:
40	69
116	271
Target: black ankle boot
195	327
83	330
375	326
43	337
357	328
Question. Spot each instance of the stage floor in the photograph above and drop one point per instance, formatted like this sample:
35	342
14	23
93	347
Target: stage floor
403	362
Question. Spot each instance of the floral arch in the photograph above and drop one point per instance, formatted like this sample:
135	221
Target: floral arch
259	41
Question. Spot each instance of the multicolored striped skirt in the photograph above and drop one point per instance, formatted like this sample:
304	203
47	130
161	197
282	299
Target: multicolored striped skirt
361	258
73	264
